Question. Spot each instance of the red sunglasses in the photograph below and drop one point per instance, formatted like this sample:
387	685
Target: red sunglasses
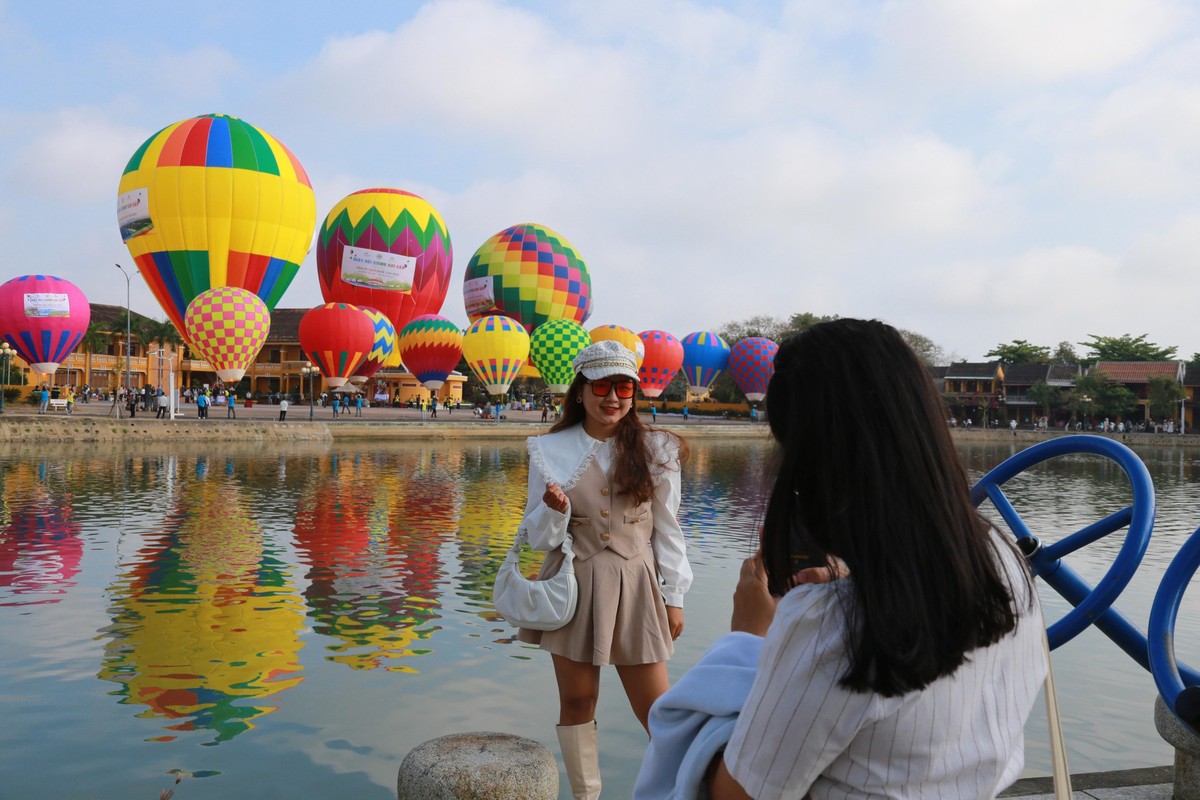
601	387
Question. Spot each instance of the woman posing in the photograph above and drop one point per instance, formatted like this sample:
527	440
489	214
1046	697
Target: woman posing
905	663
612	484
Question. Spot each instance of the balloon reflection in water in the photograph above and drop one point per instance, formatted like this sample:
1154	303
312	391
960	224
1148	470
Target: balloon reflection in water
40	545
206	618
372	587
492	510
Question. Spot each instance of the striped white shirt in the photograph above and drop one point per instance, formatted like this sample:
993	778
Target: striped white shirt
801	733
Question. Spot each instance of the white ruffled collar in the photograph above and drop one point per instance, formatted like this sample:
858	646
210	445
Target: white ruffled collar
565	455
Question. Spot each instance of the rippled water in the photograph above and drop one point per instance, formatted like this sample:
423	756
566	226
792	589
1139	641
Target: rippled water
291	621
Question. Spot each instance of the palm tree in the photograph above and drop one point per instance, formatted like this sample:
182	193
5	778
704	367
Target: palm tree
95	338
161	333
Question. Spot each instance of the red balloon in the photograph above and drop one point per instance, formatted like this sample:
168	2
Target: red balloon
336	338
664	357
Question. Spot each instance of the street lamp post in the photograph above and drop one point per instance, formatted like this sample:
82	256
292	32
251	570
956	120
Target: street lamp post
6	355
309	371
128	314
1087	412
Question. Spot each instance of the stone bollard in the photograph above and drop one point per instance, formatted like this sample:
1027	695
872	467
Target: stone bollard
475	766
1187	751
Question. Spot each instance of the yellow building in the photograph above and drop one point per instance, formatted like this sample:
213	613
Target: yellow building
101	363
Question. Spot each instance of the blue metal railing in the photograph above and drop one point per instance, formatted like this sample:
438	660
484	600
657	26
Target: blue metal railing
1178	684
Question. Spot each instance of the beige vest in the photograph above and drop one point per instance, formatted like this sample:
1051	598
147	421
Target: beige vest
601	519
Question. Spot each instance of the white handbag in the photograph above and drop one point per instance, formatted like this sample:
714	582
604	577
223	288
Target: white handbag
544	605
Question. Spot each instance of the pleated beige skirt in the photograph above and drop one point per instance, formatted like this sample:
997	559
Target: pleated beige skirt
620	618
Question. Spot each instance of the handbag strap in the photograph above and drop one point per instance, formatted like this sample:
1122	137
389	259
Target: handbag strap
522	536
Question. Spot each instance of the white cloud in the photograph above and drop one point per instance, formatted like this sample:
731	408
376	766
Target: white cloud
468	70
1023	41
77	158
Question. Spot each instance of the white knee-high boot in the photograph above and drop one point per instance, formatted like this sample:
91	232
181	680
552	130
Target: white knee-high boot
581	755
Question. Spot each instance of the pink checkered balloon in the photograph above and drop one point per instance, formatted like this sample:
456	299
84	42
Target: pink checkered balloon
228	326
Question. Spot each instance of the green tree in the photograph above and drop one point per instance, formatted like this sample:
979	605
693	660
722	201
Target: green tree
1046	396
1064	354
1165	394
158	334
1095	396
805	320
95	340
768	327
930	353
1125	348
1020	352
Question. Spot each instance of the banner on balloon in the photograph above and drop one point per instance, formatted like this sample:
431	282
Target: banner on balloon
378	270
47	304
478	295
133	214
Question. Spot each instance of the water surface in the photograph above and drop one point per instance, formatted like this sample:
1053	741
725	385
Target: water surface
290	621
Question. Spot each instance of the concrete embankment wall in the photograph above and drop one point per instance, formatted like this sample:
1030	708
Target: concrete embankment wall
52	429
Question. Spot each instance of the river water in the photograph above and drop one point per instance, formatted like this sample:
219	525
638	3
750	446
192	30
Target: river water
290	621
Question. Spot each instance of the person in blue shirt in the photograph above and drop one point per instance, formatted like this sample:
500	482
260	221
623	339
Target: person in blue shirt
202	405
231	406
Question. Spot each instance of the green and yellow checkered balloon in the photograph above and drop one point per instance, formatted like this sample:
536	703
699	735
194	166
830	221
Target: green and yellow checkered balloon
552	348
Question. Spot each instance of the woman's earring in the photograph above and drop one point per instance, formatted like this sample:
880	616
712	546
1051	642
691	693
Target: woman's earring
578	399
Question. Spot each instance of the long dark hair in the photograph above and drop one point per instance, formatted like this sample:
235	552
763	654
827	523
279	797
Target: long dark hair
631	459
867	472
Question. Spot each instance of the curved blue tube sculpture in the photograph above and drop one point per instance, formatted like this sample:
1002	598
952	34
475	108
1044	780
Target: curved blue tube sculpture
1178	684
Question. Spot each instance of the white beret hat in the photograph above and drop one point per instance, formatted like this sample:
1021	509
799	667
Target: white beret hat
606	359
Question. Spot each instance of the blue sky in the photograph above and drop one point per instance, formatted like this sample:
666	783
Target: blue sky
976	172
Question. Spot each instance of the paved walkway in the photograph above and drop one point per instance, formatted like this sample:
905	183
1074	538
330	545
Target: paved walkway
1150	783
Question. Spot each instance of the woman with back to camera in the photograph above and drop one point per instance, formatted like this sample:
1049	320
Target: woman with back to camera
613	485
905	662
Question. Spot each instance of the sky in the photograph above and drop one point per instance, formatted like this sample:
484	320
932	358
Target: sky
976	172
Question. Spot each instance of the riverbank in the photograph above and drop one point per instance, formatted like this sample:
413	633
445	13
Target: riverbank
93	423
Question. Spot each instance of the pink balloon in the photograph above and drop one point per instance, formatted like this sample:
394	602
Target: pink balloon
43	318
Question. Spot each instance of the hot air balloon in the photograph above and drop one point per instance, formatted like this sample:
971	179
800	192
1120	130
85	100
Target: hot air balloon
553	348
529	273
336	338
214	201
43	318
705	356
430	347
386	249
496	348
228	326
664	357
621	335
751	364
381	350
